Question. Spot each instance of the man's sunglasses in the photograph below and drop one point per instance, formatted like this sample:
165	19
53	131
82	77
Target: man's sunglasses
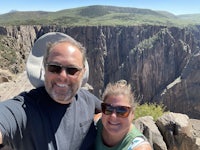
121	111
56	68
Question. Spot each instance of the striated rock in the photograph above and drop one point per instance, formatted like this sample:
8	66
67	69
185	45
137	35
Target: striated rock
17	42
182	95
161	63
172	131
196	131
177	131
5	147
148	127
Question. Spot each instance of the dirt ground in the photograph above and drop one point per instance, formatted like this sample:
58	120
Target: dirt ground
13	88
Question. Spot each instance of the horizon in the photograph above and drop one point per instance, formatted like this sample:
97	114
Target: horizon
177	7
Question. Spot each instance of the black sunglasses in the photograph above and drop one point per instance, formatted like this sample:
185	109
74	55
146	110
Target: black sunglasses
56	68
121	111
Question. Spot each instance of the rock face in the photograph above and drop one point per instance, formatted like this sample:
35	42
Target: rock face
16	43
161	63
172	131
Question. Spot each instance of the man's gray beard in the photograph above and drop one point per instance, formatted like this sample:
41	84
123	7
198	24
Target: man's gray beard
70	98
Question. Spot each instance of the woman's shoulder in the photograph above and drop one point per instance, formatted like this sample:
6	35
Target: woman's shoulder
97	117
138	140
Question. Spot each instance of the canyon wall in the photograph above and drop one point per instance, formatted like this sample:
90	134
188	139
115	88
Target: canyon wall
161	63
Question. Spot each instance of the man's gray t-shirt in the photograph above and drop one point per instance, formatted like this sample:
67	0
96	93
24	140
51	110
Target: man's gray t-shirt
33	121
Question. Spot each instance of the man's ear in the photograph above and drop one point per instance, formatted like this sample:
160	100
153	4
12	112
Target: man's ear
86	73
1	138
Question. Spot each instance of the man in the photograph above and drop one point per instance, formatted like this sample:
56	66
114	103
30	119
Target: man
56	116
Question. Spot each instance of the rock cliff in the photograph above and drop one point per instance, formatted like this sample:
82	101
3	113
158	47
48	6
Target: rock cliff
172	131
161	63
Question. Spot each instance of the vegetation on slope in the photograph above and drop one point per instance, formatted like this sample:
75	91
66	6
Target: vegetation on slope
98	15
154	110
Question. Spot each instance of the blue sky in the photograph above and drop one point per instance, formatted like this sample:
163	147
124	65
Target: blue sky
176	7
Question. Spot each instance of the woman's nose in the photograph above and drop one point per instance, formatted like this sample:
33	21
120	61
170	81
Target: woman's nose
114	114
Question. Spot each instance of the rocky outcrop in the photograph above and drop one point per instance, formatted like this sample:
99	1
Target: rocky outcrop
5	76
172	131
161	63
16	43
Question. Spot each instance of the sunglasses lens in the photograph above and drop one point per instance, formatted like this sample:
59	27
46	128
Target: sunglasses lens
72	71
121	111
58	69
107	109
54	68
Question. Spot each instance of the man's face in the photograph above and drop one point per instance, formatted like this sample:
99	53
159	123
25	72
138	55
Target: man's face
62	84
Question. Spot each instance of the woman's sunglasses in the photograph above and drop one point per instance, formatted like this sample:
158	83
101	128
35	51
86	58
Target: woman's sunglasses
121	111
56	68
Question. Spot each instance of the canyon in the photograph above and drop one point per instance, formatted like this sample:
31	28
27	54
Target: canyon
161	63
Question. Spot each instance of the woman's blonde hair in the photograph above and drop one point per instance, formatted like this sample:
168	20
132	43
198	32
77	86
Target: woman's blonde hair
120	87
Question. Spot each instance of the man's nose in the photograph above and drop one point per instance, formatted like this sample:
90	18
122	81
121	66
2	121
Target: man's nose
63	73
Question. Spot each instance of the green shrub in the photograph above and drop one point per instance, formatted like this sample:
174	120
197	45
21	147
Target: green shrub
151	109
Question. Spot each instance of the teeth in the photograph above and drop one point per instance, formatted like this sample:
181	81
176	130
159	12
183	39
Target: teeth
113	123
62	85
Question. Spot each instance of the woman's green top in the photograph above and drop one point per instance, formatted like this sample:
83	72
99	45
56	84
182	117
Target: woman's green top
131	140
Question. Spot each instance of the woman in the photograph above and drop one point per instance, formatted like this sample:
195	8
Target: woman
115	128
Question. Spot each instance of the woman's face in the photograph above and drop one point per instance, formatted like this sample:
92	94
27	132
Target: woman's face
113	124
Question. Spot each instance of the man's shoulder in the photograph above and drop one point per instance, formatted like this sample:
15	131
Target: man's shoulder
30	95
86	96
85	93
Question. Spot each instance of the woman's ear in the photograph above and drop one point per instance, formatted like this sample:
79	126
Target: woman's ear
132	115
